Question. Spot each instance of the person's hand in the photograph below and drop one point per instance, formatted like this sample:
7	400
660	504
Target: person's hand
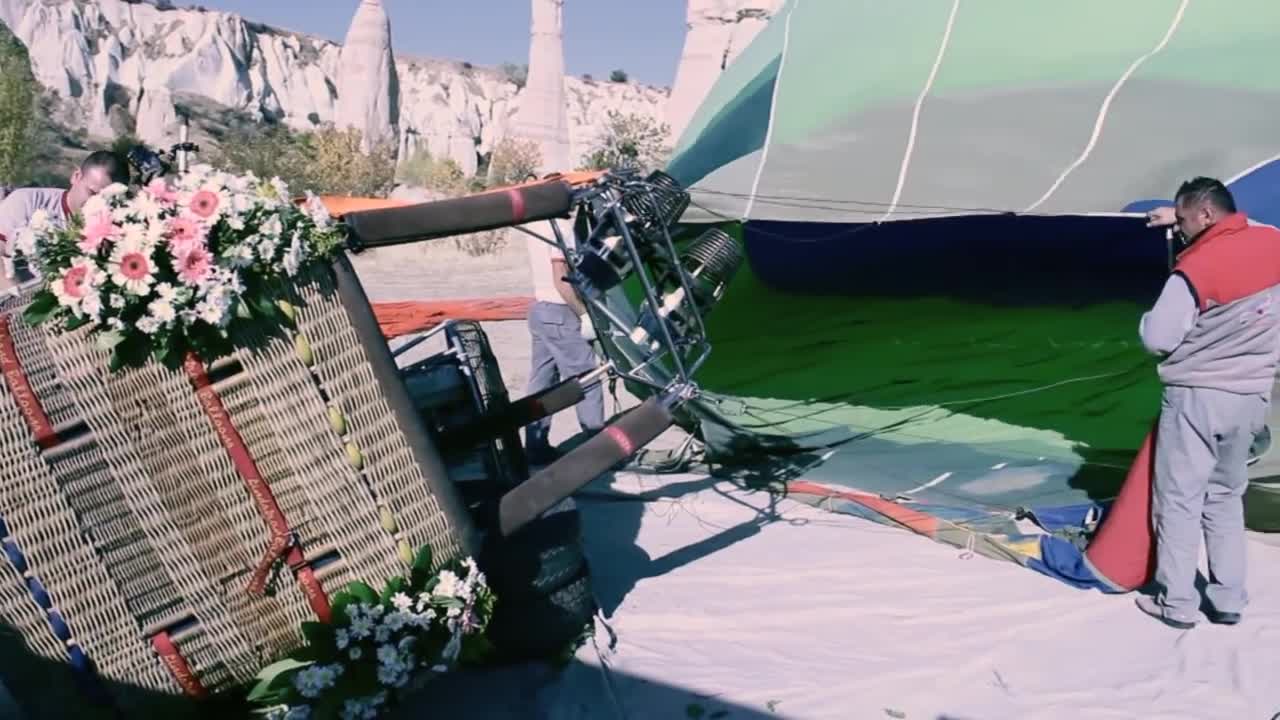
1161	217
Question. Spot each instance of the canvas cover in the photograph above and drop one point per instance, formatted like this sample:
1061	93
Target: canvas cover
938	327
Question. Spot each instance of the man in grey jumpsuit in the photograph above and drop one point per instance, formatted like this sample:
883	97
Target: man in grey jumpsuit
1216	327
97	171
560	350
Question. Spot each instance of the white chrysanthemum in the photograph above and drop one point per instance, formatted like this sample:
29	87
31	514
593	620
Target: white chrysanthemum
355	652
241	203
113	190
93	206
280	188
163	310
92	305
116	301
317	211
138	234
402	601
146	207
295	255
448	585
25	242
267	248
39	220
272	227
148	324
239	255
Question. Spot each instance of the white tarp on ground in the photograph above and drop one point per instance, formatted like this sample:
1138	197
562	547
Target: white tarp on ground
819	615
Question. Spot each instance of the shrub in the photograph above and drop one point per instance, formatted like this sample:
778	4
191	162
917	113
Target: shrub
618	76
441	175
630	140
518	75
18	97
513	160
327	160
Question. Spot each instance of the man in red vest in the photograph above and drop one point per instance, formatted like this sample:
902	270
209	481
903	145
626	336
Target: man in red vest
1216	328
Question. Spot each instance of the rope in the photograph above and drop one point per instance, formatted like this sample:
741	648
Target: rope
283	543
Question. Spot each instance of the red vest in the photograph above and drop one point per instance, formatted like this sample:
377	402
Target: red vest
1231	261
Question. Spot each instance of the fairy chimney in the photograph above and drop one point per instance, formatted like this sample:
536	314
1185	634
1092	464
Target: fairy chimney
716	32
368	88
542	116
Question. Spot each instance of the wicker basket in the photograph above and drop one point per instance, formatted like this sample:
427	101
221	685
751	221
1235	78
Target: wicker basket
133	526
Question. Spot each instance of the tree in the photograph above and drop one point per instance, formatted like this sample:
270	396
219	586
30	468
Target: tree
517	75
513	161
618	76
441	175
633	140
18	96
327	160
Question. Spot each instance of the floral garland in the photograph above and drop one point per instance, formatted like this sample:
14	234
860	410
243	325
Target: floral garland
359	665
177	266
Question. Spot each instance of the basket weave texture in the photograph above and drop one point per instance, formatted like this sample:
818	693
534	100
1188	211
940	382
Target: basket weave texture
142	530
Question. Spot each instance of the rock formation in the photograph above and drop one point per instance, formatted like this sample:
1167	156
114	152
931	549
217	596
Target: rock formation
541	115
717	30
368	88
121	66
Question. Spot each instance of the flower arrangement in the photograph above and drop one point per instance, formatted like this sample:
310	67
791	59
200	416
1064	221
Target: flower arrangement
174	267
378	643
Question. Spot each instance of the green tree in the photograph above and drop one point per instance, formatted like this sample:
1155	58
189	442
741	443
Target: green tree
618	76
441	175
630	140
327	160
18	96
513	161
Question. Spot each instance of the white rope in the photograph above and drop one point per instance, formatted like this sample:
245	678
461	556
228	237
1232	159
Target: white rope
1253	167
1106	106
915	114
773	110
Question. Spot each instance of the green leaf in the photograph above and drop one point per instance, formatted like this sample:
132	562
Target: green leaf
75	323
274	681
341	600
395	585
363	593
242	310
42	306
110	339
420	573
165	351
319	636
131	352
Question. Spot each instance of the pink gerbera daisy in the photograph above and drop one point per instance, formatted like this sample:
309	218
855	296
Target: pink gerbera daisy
98	228
193	263
204	203
159	190
185	232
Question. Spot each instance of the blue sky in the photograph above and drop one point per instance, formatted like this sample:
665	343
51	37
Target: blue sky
643	37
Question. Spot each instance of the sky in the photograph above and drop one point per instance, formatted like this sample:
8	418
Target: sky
642	37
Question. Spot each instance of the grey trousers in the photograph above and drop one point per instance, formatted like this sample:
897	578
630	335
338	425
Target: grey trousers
1202	445
559	352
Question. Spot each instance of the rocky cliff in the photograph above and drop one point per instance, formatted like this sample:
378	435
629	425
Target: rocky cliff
716	32
120	66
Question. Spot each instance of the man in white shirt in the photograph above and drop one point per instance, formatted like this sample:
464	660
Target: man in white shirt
560	349
97	171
